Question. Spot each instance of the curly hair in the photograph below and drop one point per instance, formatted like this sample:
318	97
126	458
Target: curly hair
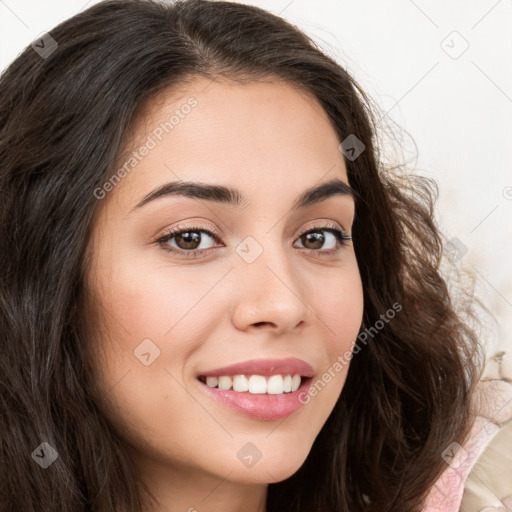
63	121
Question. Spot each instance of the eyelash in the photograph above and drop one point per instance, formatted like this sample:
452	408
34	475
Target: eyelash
341	236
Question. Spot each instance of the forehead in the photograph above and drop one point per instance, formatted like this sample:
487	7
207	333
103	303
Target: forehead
261	135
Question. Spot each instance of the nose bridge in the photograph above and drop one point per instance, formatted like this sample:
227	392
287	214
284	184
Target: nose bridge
263	254
269	288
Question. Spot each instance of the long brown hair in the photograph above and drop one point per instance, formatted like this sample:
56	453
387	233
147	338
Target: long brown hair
63	118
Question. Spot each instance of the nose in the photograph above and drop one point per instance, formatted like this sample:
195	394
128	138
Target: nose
269	294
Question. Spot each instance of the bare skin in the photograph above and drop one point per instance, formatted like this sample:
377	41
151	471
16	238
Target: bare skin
272	143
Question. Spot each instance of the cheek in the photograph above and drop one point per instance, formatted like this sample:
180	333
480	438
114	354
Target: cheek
151	325
157	300
338	301
153	316
344	311
339	304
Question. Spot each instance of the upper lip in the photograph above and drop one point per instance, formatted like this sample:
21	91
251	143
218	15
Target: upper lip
265	367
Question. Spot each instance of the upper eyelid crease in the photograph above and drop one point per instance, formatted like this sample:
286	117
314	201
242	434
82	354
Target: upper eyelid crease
230	196
216	234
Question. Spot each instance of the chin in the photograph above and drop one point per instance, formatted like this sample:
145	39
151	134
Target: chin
268	470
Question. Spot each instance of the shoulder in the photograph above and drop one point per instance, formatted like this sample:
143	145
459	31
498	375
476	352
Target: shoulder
490	482
446	494
473	470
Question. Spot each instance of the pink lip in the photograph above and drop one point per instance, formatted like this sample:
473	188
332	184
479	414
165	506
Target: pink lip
266	367
261	407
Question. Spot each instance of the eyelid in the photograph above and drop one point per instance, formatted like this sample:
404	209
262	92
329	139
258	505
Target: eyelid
319	224
169	233
315	224
200	225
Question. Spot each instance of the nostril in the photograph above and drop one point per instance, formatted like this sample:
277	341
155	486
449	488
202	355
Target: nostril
263	323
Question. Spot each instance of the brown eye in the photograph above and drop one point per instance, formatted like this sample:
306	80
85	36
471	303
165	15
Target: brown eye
316	239
186	241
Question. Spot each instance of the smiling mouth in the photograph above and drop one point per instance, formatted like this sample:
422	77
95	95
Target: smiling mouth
254	384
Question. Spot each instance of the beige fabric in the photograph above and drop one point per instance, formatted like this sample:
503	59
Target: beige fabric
489	485
492	407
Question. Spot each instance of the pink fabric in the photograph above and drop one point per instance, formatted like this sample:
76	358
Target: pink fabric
446	495
495	403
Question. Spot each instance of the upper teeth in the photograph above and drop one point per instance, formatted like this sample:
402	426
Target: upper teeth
256	384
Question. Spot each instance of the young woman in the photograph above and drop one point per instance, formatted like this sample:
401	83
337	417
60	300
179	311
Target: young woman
214	294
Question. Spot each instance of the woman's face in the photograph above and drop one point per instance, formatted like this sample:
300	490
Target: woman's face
255	289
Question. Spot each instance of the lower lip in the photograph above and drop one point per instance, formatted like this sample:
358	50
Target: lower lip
260	406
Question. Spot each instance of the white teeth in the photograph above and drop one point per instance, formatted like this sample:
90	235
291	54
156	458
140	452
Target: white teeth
256	384
212	381
225	382
240	383
295	382
275	385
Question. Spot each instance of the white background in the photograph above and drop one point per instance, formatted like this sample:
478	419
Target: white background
457	110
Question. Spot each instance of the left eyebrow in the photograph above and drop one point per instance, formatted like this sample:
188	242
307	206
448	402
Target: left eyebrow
233	197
